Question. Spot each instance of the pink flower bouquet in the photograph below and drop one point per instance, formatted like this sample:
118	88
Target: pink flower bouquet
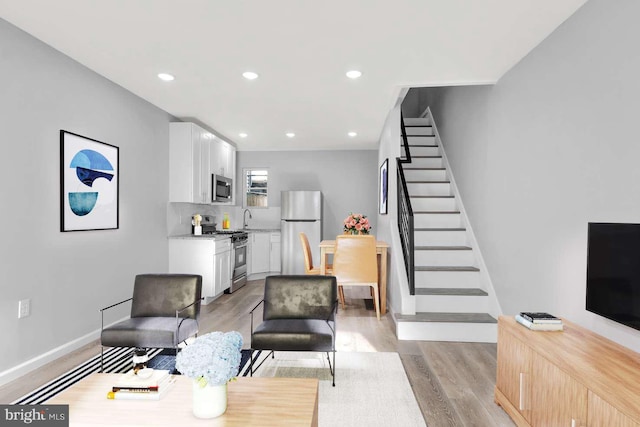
356	224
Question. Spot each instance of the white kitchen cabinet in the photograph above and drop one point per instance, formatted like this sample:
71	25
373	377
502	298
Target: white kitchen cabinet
207	257
222	261
274	252
222	158
259	244
194	155
189	175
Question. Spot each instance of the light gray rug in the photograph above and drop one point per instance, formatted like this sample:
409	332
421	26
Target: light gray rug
371	389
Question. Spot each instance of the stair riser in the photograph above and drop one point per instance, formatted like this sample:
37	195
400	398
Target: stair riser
421	151
440	238
429	189
437	221
420	140
425	162
417	121
433	204
447	279
425	175
419	131
453	258
456	332
451	303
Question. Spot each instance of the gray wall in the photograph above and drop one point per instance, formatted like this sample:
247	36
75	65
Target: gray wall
69	276
348	181
548	149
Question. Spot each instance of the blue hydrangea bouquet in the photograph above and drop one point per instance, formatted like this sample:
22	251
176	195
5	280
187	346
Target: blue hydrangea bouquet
212	358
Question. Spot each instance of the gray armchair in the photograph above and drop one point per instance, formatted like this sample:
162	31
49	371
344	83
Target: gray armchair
299	315
164	312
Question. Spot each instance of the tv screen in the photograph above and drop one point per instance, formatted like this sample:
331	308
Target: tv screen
613	272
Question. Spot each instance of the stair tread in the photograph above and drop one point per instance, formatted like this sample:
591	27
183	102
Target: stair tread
421	145
445	268
448	196
426	157
428	182
419	136
443	248
435	212
424	169
440	229
447	317
418	126
451	291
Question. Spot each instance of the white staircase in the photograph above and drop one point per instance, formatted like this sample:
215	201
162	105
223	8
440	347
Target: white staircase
450	302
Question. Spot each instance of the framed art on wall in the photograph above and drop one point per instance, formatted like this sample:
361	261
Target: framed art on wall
89	184
383	190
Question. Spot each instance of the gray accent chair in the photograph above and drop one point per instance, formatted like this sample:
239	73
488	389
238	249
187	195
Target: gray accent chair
299	315
164	312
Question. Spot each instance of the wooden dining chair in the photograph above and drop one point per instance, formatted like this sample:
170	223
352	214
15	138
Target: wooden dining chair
310	269
355	263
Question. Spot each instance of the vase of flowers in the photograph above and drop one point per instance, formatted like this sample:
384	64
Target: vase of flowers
356	224
212	360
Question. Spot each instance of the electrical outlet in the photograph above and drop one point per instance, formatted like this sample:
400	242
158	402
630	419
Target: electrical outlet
24	308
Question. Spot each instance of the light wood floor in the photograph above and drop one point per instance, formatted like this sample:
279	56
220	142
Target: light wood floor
453	382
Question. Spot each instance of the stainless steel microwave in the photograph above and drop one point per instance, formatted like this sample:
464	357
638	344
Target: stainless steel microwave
221	188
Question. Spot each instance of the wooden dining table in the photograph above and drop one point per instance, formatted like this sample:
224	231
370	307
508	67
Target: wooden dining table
328	247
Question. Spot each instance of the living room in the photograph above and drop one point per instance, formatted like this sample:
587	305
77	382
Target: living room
537	155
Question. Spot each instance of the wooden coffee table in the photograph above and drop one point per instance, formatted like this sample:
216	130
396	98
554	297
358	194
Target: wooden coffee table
251	402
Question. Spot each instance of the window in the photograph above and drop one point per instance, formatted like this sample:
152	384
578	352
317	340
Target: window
256	188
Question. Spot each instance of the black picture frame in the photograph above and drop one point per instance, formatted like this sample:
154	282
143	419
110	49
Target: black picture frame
89	184
383	189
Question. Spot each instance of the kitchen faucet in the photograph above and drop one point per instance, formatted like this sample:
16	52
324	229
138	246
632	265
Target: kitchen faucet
244	218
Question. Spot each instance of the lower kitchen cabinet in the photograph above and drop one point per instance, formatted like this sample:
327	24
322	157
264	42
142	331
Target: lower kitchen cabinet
264	252
572	378
210	258
274	252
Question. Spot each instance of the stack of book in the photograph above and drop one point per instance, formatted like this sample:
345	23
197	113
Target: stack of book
133	387
539	321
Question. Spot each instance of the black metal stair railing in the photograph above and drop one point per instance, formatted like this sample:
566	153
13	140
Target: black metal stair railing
405	213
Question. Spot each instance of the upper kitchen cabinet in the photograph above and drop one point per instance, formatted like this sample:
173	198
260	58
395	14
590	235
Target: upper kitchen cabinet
194	155
222	158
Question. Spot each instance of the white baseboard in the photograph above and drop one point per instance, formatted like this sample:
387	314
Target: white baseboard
24	368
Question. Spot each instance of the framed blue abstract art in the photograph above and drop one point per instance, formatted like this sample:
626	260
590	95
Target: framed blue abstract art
383	191
89	184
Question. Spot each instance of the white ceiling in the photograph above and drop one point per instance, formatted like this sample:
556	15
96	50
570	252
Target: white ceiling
300	48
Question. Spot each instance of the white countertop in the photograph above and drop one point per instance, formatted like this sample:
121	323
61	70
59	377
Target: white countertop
201	237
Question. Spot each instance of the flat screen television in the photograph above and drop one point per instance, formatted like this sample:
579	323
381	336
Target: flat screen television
613	272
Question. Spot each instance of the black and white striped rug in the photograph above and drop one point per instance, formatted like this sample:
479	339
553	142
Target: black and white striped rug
116	360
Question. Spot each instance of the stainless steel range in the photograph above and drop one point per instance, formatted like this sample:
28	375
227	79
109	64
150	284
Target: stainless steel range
239	240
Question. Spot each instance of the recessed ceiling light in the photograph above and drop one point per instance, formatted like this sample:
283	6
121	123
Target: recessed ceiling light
166	77
290	134
250	75
354	74
242	135
353	134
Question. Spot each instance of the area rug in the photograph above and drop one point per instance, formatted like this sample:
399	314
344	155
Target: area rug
371	389
116	360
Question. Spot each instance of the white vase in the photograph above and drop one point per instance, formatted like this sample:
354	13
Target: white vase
209	401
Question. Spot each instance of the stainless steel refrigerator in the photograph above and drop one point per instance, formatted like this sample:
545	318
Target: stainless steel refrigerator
301	211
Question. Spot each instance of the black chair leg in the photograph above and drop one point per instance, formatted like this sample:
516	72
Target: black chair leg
250	362
332	367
